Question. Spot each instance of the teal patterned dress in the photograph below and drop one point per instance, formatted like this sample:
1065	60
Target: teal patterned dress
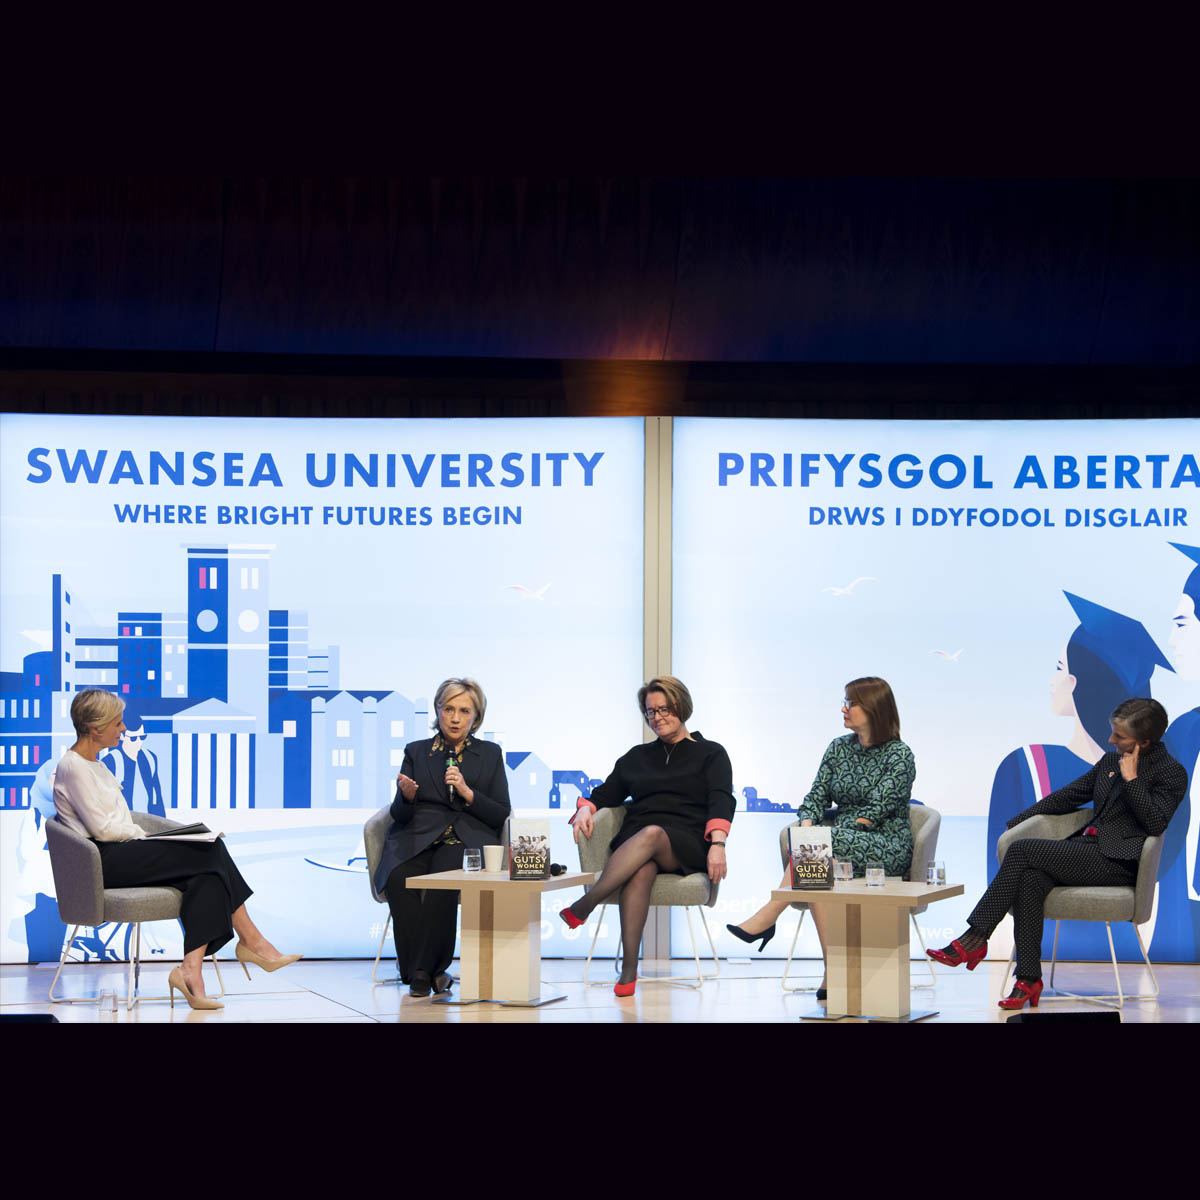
873	782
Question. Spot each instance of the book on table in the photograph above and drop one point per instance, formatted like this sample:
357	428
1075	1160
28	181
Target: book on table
811	848
528	849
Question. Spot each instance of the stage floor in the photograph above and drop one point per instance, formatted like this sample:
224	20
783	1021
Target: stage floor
341	991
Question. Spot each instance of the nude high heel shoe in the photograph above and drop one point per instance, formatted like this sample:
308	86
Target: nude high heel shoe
246	955
175	980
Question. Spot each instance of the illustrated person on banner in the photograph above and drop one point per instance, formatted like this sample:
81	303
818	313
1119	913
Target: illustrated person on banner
1177	926
1107	658
136	767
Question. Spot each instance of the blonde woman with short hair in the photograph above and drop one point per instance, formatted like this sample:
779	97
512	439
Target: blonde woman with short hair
88	799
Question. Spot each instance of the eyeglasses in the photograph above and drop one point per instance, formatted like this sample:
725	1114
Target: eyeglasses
651	713
848	703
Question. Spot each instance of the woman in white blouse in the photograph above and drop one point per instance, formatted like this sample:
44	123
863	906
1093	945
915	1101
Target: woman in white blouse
89	801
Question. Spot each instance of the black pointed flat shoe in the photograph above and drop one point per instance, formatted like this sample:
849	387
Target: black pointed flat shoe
443	982
421	985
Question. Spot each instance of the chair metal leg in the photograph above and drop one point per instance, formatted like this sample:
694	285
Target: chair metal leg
591	950
135	968
787	966
711	945
133	980
928	960
379	953
696	981
1116	972
62	958
1119	996
1149	966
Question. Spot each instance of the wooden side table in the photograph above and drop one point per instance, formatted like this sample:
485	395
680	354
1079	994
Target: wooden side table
500	952
867	949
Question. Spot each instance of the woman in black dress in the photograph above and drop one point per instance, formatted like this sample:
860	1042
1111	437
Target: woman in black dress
682	806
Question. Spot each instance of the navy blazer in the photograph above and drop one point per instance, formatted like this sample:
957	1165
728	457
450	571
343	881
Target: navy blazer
418	823
1141	808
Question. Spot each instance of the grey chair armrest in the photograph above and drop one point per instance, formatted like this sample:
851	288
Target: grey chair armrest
78	879
926	824
593	851
375	833
1147	877
1054	828
784	853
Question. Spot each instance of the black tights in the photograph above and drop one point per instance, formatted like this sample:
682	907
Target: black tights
632	868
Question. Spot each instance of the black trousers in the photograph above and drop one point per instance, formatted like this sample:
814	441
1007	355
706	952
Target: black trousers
212	886
1030	870
423	918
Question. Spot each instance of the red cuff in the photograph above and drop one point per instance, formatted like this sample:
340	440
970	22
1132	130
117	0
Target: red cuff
580	803
713	826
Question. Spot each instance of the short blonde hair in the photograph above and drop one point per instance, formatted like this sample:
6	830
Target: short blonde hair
679	699
93	709
449	688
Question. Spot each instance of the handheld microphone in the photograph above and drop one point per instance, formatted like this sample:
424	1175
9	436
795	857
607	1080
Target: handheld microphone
558	869
451	762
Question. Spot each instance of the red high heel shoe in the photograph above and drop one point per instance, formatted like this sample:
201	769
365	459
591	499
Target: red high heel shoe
625	989
971	957
573	922
1021	992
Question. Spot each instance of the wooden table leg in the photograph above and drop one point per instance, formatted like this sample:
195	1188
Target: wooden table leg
867	965
884	962
500	948
473	939
516	950
843	978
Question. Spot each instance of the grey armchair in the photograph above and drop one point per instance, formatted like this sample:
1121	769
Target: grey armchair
1107	904
84	900
375	833
686	891
925	823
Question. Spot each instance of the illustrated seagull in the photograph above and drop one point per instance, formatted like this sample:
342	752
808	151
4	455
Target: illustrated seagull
948	657
837	591
526	594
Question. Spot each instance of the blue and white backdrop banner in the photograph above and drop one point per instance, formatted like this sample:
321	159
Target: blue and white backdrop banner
1013	581
276	601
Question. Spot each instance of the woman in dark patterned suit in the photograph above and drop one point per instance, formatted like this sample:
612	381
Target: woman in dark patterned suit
451	793
868	774
1134	790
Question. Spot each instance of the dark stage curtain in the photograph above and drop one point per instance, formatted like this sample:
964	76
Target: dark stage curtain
1059	272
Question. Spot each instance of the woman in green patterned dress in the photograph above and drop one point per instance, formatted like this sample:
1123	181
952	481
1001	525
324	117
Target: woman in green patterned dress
868	774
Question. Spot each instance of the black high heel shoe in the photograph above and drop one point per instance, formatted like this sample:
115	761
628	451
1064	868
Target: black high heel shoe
742	935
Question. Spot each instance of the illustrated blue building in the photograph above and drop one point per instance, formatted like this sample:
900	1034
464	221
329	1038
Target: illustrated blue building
245	711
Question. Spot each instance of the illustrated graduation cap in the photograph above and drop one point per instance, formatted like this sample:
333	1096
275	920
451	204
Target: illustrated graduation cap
1192	586
1120	641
